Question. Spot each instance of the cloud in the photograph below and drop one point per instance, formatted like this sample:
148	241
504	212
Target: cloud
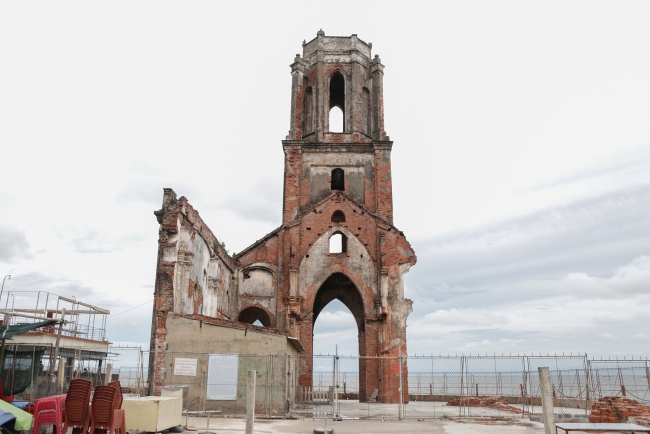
132	323
629	280
336	328
577	312
92	240
261	203
640	337
36	281
337	319
24	288
487	345
13	244
465	318
631	164
587	235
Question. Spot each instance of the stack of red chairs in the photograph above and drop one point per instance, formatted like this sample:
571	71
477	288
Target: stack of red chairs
76	414
48	411
102	409
119	418
104	416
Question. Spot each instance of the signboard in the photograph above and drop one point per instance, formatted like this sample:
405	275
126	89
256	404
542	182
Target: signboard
222	377
185	367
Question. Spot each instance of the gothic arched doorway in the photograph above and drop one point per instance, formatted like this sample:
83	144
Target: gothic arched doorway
340	287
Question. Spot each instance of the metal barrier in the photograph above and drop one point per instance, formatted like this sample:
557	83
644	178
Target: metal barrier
437	386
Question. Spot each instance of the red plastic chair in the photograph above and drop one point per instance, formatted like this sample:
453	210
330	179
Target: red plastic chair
48	411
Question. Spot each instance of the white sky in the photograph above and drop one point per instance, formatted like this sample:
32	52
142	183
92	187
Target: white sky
521	162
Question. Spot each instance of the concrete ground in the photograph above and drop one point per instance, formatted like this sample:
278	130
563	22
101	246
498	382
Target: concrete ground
198	425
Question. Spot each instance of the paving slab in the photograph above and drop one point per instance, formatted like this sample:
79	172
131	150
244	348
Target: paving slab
198	425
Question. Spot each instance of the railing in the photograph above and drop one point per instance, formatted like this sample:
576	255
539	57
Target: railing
311	396
81	320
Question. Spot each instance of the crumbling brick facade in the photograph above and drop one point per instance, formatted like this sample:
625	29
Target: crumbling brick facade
335	184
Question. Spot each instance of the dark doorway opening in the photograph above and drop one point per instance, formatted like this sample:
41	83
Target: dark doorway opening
251	315
337	99
336	290
338	179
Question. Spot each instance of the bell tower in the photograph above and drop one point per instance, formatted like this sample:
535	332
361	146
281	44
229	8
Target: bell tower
338	184
337	72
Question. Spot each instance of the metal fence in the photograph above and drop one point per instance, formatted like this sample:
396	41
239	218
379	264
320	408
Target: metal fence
32	371
437	386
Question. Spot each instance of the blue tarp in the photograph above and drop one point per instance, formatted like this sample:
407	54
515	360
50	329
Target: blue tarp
7	421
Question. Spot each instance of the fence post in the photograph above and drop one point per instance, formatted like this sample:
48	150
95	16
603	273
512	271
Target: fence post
547	400
462	385
401	396
269	384
528	387
336	387
109	373
588	385
250	402
58	341
60	379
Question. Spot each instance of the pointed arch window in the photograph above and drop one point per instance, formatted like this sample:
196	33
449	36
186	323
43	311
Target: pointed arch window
337	101
338	243
338	179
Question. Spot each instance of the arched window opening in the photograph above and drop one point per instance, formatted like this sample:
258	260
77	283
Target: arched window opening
336	318
308	126
338	217
338	179
336	120
254	315
338	243
339	302
337	100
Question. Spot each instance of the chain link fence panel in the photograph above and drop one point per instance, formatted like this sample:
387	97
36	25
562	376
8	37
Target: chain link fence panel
343	387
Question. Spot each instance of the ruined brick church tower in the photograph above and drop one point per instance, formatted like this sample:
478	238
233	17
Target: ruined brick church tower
337	239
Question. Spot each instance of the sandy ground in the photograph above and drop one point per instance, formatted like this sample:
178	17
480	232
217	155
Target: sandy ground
198	425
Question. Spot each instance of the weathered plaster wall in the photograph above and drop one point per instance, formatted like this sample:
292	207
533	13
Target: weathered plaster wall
271	355
317	169
318	264
206	336
202	271
193	275
258	288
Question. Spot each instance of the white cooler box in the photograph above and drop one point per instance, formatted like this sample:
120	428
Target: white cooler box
152	413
